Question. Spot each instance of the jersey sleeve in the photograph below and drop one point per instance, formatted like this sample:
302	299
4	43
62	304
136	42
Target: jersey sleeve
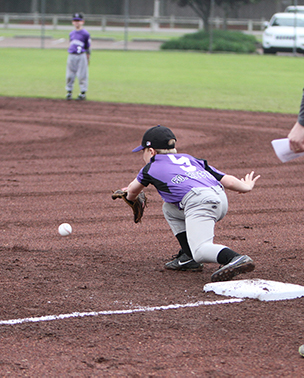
213	171
142	177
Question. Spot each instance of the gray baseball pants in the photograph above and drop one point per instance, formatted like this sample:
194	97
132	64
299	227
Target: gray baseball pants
77	66
200	209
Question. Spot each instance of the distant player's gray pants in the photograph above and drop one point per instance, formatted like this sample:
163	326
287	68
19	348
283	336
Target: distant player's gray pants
201	209
77	66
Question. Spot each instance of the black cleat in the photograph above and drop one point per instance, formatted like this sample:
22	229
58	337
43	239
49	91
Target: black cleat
81	97
68	96
183	262
238	265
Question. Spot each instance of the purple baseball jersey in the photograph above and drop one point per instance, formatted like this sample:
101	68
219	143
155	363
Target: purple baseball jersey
80	41
174	175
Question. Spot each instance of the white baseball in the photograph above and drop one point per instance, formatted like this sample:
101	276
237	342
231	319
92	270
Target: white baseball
65	229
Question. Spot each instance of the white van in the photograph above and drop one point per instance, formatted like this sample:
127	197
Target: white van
284	33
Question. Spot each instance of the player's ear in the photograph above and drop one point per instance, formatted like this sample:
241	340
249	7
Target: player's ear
152	151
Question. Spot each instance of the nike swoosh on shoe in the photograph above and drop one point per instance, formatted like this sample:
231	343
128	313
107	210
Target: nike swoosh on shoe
184	262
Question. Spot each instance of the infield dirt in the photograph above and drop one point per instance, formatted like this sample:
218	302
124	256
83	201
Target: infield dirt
59	163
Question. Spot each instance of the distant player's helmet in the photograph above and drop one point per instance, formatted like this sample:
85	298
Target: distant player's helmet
78	17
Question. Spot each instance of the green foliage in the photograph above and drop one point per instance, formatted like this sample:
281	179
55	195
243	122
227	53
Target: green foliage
222	40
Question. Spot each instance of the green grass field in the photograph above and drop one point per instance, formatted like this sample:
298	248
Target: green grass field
222	81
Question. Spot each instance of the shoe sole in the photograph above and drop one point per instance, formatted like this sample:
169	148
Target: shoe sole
226	274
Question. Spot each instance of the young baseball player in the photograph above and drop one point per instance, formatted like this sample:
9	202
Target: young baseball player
78	58
194	200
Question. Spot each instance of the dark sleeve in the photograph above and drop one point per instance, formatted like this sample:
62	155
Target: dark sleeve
146	178
215	173
87	43
143	176
301	112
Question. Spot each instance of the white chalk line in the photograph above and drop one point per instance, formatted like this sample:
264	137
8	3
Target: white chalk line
48	318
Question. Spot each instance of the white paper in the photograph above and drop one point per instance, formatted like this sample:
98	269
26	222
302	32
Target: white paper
283	151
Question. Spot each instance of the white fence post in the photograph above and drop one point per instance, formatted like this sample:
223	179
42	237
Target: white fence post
172	21
154	24
6	21
36	18
55	22
250	25
217	22
103	23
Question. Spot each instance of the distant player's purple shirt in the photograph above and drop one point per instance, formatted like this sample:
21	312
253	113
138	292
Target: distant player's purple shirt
174	175
80	41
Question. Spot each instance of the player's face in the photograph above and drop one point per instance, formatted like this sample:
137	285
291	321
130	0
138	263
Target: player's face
78	24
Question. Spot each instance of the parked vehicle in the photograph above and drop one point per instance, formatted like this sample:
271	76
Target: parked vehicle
293	8
284	33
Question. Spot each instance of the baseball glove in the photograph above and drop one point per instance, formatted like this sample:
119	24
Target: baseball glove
137	206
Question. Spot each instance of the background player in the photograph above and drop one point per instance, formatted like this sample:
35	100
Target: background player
194	199
78	58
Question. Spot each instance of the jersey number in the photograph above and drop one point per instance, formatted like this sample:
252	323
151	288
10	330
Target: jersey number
183	162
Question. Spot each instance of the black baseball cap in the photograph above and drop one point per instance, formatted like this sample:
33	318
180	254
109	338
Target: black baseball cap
157	137
77	17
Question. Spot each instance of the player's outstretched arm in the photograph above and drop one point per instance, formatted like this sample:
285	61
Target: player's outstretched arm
242	186
134	188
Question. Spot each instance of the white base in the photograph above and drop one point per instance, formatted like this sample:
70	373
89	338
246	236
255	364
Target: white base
256	289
